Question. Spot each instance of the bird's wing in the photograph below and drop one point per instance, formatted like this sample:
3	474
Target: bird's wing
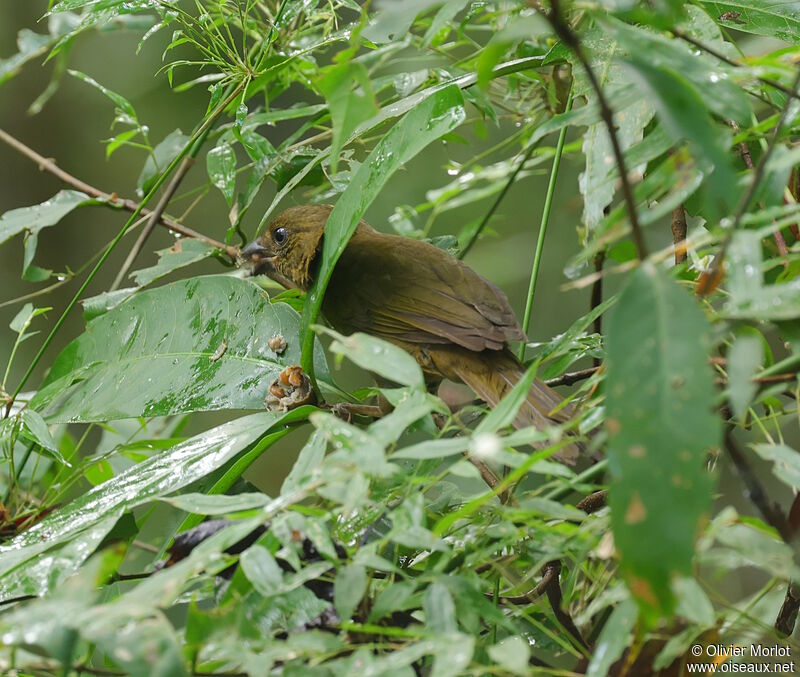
411	291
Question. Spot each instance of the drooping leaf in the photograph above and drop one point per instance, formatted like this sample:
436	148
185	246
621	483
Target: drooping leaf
348	589
785	462
659	396
744	358
198	344
613	639
49	213
221	167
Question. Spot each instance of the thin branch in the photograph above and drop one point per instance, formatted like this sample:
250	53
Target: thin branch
554	596
570	377
597	295
679	233
112	199
570	39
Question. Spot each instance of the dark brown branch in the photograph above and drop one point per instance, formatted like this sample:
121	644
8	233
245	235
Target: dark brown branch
570	377
787	616
554	596
597	295
112	199
679	233
570	39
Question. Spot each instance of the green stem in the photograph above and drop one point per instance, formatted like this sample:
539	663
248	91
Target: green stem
548	203
201	130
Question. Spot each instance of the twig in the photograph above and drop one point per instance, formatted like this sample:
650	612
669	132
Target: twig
570	377
679	233
570	39
787	616
549	573
112	199
554	596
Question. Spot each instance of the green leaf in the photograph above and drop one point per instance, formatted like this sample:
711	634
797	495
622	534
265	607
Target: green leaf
193	345
512	653
95	306
183	253
348	589
307	463
506	410
35	429
692	602
163	154
775	19
351	101
394	19
597	182
744	358
433	117
262	570
30	45
377	356
22	320
217	504
785	462
221	167
33	219
684	114
440	610
81	524
121	102
660	392
520	28
613	640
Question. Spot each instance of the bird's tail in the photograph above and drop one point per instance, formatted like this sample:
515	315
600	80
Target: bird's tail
492	374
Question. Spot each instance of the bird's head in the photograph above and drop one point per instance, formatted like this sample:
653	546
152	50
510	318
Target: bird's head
287	249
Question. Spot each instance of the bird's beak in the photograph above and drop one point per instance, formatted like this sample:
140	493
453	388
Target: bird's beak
257	258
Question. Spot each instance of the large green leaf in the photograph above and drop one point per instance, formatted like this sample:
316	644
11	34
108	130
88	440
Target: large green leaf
70	534
431	119
773	18
183	253
194	345
660	392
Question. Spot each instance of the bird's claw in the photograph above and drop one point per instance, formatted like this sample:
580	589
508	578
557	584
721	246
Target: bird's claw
291	389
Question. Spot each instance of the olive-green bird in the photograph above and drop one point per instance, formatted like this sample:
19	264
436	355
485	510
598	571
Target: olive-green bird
454	322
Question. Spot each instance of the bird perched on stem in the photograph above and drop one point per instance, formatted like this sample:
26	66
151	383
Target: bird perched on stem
454	322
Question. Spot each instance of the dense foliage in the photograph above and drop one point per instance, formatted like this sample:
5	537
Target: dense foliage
429	540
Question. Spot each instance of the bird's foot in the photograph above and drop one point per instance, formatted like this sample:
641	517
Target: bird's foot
291	389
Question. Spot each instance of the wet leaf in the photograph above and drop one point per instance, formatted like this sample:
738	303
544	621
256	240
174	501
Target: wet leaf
660	422
183	253
95	306
164	153
433	117
71	533
217	504
221	167
33	219
512	653
613	639
151	355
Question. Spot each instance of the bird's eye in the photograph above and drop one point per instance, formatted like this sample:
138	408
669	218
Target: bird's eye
280	236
